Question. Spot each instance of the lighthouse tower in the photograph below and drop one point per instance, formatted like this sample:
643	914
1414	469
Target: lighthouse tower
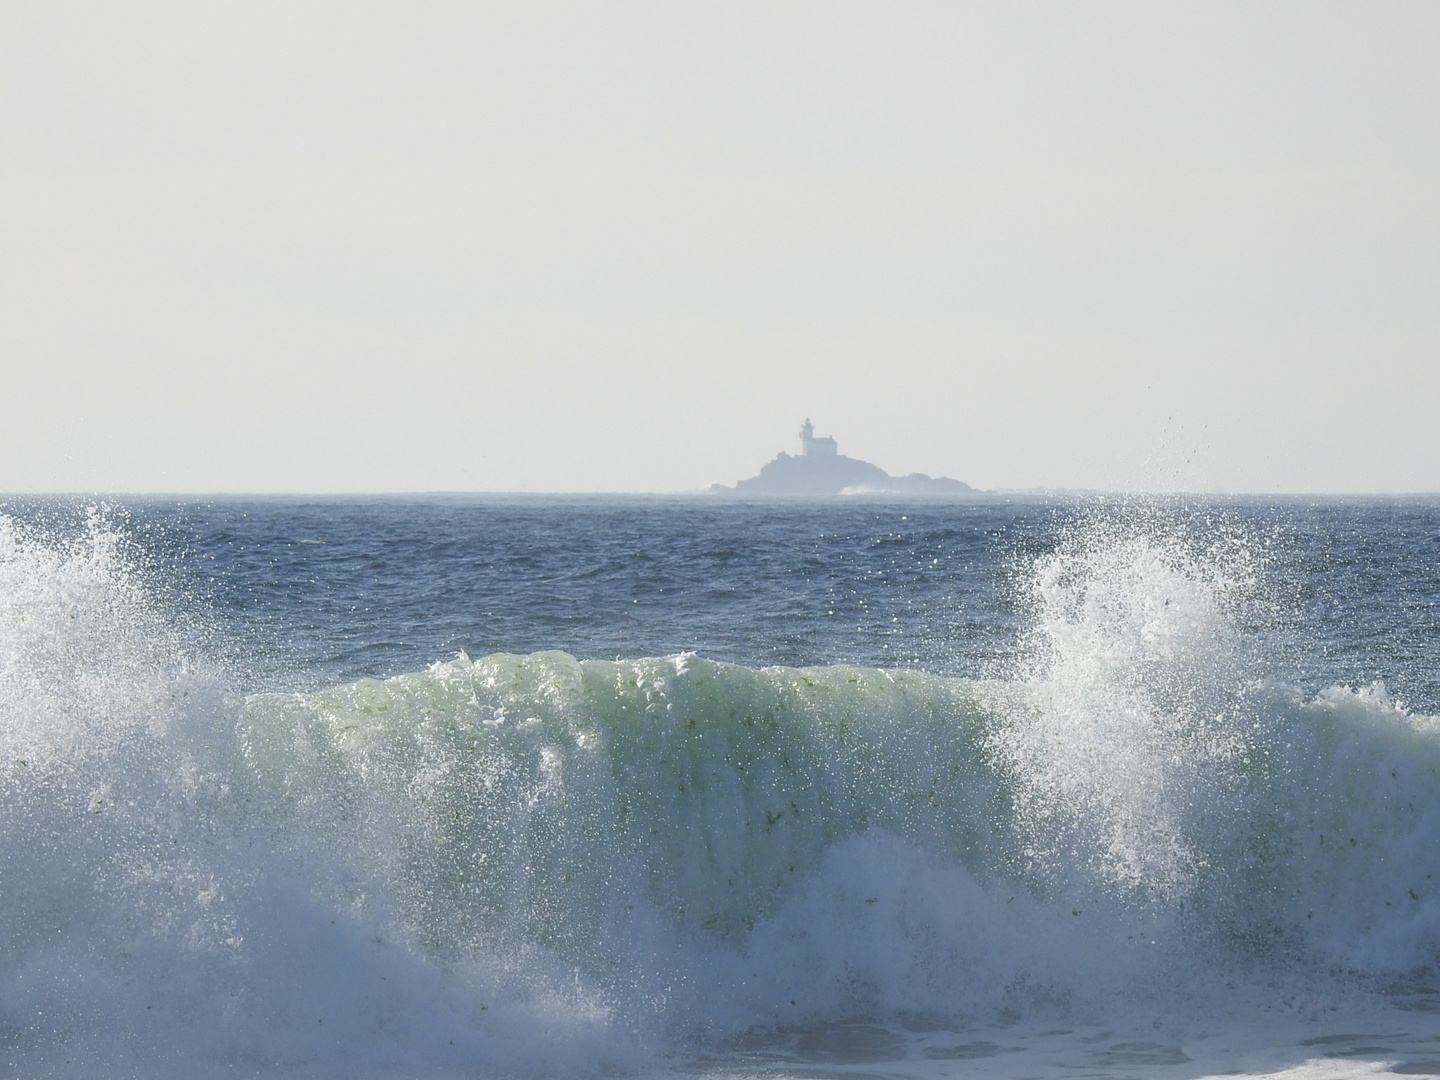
810	446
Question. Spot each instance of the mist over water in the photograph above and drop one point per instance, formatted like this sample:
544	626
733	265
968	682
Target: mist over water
1103	787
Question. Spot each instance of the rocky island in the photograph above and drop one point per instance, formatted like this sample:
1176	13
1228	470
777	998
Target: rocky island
820	469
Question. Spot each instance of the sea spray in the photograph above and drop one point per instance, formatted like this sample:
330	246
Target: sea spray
1128	729
115	801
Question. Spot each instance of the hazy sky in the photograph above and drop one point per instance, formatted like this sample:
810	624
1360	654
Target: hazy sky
631	246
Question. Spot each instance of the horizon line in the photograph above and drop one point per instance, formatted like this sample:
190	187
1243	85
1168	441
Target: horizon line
711	492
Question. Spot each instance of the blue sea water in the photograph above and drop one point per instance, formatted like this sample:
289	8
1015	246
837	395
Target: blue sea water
456	786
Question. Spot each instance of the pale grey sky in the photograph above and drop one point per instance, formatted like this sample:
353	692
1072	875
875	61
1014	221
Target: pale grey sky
631	246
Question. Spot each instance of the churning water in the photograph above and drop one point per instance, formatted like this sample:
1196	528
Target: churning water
677	788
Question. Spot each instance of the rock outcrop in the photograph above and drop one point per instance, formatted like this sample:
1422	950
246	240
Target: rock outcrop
820	469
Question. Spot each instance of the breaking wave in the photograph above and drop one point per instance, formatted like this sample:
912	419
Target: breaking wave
535	863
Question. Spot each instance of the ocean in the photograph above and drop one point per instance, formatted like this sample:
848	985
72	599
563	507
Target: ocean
702	788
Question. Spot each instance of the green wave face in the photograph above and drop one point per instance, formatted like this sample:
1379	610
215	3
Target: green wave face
542	798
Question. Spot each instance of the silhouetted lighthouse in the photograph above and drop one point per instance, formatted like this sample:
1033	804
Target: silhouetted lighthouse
810	446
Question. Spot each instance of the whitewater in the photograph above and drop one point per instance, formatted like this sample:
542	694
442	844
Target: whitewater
660	788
